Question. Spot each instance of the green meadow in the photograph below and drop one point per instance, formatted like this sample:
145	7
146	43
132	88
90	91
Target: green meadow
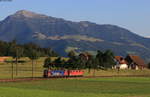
94	87
25	69
86	87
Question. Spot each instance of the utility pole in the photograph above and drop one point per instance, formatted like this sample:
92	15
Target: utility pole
32	68
12	74
16	61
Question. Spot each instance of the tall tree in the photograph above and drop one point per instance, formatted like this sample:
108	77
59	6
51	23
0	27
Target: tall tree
83	61
99	58
105	59
89	63
108	59
16	51
48	63
59	63
71	54
148	65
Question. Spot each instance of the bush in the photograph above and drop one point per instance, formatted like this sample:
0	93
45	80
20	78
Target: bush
148	65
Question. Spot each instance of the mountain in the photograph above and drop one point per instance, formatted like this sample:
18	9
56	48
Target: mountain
147	37
63	35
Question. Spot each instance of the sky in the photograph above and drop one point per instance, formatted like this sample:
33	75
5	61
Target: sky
131	14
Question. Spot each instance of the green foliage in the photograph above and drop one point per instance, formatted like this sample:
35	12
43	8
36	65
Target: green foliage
33	54
76	63
48	62
103	60
15	50
106	59
59	63
71	54
149	65
33	51
89	63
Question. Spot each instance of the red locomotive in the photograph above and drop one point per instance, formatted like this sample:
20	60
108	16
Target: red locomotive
63	73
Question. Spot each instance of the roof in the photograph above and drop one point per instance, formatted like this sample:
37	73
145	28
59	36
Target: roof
2	59
120	59
137	59
86	55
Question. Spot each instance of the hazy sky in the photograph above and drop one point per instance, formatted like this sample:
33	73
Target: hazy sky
131	14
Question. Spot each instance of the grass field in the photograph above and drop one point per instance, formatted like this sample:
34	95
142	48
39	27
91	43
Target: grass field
25	70
94	87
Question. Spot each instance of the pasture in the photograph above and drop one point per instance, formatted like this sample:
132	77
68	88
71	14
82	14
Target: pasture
94	87
25	70
80	87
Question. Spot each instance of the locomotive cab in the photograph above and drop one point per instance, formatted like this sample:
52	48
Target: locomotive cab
47	73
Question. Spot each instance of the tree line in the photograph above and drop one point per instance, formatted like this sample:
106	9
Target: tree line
30	50
17	50
102	60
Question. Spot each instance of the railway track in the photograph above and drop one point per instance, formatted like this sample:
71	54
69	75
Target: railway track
41	78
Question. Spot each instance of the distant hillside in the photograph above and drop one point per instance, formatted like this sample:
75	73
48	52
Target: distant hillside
63	35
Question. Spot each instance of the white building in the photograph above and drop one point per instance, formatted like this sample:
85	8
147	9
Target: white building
120	63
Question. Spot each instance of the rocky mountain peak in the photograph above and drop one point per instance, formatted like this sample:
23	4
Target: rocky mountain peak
28	14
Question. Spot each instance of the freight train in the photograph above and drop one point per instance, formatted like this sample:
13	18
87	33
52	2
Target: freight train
62	73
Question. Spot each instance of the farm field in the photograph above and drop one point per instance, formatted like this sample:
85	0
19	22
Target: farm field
25	70
94	87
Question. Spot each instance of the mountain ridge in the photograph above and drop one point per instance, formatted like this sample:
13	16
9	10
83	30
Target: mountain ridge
60	34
